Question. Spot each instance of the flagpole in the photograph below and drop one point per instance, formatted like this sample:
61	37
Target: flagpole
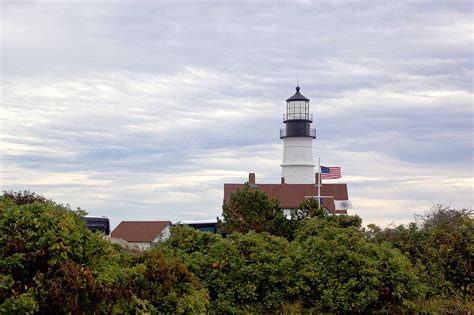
319	181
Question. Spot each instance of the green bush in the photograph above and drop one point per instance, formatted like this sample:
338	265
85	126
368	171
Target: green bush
442	244
334	269
42	247
243	272
344	272
51	263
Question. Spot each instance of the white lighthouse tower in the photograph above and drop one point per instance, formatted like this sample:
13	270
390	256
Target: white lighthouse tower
297	166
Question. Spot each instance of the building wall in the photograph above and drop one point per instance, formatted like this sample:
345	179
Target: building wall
164	235
287	213
298	165
141	245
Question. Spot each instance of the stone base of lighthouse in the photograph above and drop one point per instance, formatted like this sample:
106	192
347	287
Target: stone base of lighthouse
297	166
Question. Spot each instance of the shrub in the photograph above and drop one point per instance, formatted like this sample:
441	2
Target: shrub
243	272
440	244
334	269
51	263
343	272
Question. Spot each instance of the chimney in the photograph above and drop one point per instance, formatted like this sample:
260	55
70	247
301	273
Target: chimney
252	179
282	180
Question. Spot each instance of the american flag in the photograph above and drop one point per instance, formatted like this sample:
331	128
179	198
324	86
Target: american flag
330	172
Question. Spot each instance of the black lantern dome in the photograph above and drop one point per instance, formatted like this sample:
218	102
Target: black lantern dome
298	96
297	117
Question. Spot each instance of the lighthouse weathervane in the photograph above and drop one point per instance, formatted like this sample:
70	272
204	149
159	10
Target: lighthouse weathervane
297	165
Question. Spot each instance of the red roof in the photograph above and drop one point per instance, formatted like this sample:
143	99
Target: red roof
291	195
139	231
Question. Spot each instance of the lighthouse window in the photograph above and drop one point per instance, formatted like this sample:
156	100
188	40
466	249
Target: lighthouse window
290	110
297	110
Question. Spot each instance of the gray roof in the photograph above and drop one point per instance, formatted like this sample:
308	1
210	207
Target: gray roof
297	96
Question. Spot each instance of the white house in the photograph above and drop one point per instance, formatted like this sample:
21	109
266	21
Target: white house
142	234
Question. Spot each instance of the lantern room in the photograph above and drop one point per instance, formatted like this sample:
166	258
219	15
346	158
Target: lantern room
297	108
297	118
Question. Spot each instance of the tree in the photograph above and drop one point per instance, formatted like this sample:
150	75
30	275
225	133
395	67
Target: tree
334	270
244	273
250	209
24	197
310	218
309	208
440	242
46	255
50	263
343	272
167	284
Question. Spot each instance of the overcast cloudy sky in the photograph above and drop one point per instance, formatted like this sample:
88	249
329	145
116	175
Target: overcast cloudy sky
142	110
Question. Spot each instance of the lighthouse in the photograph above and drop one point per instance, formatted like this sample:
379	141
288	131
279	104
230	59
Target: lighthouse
297	169
297	166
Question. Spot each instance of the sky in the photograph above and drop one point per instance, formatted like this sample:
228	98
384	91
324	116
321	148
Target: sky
142	110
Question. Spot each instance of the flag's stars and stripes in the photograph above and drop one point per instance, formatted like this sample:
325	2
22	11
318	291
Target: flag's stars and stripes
330	172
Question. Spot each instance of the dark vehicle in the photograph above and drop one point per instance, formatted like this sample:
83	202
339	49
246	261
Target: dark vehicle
98	224
202	225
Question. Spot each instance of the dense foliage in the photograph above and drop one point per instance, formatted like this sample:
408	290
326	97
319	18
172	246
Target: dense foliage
334	269
51	263
24	197
442	244
315	262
